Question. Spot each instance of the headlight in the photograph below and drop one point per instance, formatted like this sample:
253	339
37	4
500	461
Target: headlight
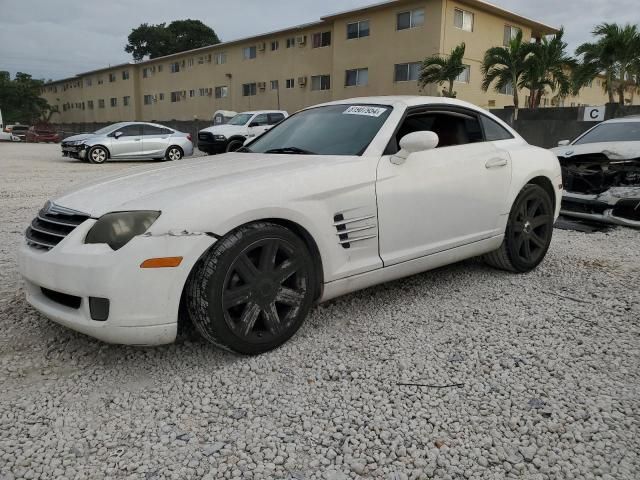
117	229
220	138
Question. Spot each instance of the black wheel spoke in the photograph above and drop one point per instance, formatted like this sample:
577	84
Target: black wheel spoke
289	296
237	296
246	269
537	240
249	317
526	246
533	208
272	319
268	256
284	271
518	227
540	220
518	243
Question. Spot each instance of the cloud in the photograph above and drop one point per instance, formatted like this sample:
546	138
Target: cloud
56	39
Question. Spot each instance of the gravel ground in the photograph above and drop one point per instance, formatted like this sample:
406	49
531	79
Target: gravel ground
539	374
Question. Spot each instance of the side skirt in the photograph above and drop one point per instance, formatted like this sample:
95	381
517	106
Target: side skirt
347	285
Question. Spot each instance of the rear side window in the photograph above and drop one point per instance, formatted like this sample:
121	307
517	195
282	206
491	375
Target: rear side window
493	131
153	130
275	118
452	128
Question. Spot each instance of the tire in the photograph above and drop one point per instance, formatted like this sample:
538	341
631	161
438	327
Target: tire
234	145
174	153
251	292
529	232
97	155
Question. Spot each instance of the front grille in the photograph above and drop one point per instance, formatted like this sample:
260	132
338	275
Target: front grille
205	136
53	224
70	301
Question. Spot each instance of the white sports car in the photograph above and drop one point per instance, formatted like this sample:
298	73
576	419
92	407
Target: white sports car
336	198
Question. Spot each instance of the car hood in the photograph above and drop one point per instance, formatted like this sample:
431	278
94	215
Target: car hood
613	150
169	184
225	129
76	138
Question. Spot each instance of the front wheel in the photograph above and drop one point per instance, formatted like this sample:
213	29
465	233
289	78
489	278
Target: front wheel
174	153
529	232
98	155
234	145
253	290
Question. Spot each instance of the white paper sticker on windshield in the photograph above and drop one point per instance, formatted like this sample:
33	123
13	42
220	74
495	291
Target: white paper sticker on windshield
364	110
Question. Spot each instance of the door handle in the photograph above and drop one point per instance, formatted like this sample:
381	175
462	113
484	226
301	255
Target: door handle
496	163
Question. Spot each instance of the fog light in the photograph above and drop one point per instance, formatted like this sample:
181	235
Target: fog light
99	308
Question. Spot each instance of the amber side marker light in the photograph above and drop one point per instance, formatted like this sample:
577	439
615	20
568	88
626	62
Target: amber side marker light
166	262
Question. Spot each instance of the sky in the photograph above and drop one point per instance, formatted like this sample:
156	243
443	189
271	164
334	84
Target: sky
54	39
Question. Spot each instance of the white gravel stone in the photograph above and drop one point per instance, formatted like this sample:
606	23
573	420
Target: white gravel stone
548	362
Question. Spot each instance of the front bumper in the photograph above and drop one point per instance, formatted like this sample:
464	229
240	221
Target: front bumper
143	303
602	209
75	151
208	144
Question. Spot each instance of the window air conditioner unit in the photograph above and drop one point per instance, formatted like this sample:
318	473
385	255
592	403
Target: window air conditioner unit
262	85
302	81
155	98
301	40
262	47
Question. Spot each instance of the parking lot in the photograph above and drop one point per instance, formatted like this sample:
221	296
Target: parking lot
464	372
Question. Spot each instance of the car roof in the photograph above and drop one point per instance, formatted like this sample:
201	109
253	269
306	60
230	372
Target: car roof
406	101
630	118
254	112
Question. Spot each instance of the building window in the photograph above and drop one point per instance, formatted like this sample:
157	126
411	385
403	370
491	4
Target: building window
322	39
190	62
249	89
510	33
192	93
222	92
507	89
145	72
250	52
88	82
220	58
275	45
161	96
291	83
148	99
321	82
159	68
101	103
200	60
203	92
465	76
90	104
357	29
275	84
411	19
114	102
176	96
463	20
125	74
175	67
100	81
407	72
291	42
126	100
112	77
357	77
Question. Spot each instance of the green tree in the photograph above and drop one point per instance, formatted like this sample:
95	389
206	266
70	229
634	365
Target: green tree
438	70
547	65
504	66
615	53
20	99
154	41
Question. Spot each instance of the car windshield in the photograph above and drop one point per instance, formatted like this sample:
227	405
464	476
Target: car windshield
612	132
240	119
331	130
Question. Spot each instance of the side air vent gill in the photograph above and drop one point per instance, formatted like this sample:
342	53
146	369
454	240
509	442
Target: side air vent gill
357	229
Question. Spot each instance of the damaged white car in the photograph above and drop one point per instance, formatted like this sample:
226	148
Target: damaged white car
601	173
334	199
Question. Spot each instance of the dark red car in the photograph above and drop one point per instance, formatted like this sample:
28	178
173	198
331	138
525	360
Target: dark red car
42	135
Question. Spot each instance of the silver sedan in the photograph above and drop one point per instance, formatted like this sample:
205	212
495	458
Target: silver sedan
131	140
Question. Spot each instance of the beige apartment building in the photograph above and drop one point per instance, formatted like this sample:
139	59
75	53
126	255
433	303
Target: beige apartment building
376	50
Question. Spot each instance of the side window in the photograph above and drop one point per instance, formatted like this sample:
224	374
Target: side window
152	130
260	120
275	118
493	131
452	128
131	130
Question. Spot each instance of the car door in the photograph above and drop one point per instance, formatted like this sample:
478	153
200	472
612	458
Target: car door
258	125
442	198
155	140
128	144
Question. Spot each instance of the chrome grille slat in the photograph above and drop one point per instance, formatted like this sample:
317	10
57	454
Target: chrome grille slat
45	230
344	232
52	224
356	239
57	222
352	220
354	230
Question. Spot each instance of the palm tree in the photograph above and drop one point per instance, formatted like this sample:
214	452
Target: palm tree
505	66
438	70
614	54
547	65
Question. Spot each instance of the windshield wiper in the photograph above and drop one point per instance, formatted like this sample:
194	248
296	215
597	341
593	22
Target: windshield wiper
242	150
290	150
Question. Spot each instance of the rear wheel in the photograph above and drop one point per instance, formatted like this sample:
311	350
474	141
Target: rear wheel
174	153
253	290
234	145
529	232
98	155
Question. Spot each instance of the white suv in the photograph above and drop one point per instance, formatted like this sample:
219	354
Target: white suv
231	136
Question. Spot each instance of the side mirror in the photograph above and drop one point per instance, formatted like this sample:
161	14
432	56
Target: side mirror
118	135
254	124
564	143
415	142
